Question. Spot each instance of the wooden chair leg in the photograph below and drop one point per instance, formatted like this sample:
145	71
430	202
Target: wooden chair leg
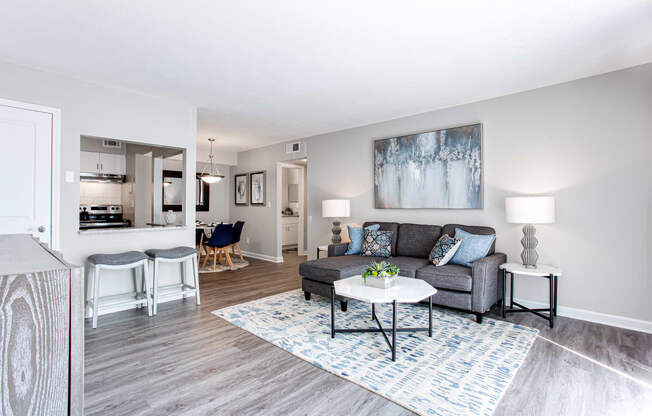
240	251
205	260
228	258
219	251
214	259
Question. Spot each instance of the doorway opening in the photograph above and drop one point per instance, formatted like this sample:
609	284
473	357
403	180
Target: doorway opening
292	201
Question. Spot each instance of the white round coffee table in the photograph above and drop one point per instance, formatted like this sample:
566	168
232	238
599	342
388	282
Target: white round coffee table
405	290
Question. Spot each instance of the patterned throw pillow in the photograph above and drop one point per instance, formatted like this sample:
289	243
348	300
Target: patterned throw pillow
444	249
356	236
377	243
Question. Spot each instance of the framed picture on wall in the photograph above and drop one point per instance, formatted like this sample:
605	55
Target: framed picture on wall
241	189
257	188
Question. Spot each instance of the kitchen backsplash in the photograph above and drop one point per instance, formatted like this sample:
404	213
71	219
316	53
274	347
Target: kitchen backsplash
100	193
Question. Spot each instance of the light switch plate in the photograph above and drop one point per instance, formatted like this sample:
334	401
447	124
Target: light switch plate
70	176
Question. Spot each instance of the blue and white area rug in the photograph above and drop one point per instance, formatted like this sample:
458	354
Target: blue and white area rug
464	369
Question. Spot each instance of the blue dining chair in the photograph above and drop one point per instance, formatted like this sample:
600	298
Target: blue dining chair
235	243
220	241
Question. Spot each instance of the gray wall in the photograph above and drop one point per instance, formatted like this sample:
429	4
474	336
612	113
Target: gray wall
260	231
220	195
586	142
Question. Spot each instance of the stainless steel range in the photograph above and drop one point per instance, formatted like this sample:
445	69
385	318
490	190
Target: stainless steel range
101	216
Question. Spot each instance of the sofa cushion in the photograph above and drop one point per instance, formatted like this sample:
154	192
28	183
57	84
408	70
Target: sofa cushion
377	243
386	226
408	265
450	276
329	269
416	240
473	247
356	235
473	229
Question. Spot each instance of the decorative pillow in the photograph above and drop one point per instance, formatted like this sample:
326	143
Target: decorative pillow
377	243
473	247
356	237
444	250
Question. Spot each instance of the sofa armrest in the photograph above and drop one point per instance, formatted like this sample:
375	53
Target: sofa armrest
338	249
487	285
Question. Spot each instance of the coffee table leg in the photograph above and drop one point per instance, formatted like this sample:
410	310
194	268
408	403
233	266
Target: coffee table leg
394	331
333	312
373	311
430	316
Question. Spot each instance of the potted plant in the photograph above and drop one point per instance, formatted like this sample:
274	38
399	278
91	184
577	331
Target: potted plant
381	275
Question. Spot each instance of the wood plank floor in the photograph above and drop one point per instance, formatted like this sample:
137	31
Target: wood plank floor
186	361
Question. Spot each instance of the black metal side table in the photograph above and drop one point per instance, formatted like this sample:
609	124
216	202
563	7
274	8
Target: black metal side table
549	272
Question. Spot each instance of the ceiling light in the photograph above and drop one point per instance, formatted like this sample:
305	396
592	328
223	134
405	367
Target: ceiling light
211	176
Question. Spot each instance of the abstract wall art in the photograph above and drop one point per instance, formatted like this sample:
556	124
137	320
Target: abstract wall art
257	188
437	169
241	189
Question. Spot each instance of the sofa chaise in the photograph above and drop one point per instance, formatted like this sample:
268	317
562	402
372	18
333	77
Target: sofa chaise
469	289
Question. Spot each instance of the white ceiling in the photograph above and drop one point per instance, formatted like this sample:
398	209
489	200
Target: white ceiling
266	71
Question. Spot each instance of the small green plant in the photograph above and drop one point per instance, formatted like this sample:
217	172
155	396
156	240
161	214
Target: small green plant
382	269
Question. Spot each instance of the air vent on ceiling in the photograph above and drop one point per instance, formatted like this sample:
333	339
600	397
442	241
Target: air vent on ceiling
110	143
293	147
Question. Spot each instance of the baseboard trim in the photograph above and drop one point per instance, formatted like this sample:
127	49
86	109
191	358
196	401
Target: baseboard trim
264	257
591	316
118	306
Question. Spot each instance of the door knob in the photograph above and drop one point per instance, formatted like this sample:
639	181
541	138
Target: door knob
41	228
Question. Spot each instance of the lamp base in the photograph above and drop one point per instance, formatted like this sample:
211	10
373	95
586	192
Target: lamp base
529	242
336	231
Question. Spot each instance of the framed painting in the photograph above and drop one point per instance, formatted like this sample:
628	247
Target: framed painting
257	188
241	189
437	169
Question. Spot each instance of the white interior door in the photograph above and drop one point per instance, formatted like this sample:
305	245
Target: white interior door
26	172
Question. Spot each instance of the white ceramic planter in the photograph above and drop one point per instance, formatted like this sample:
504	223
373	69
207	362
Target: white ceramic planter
381	282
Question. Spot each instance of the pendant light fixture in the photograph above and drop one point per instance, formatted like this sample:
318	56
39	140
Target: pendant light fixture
212	176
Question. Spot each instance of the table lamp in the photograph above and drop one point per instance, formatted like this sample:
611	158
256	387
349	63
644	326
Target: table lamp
530	210
336	209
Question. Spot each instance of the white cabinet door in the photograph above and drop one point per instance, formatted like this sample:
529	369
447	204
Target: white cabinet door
112	164
89	162
293	234
25	172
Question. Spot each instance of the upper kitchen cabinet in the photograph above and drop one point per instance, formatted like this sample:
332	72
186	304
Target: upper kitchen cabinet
107	163
112	164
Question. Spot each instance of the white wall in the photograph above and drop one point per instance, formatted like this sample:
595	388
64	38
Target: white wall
94	110
587	142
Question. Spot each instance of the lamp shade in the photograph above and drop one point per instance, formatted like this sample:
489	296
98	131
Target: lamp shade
335	208
530	209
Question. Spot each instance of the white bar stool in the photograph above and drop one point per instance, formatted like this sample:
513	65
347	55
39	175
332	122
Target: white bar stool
119	261
175	255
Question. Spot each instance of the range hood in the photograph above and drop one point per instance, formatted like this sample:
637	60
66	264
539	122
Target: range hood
101	177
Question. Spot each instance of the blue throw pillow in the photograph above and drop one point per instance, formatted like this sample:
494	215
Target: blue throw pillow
356	236
473	247
377	243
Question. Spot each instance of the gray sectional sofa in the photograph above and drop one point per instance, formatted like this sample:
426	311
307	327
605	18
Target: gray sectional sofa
470	289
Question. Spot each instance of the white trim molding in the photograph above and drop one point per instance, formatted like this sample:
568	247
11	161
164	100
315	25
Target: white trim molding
597	317
264	257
